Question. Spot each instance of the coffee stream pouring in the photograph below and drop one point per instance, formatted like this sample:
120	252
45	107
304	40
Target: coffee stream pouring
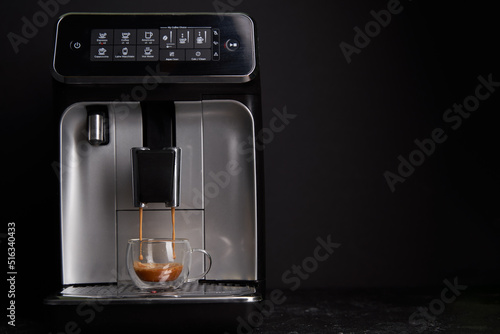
156	179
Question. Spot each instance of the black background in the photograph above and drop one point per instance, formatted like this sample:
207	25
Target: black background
325	170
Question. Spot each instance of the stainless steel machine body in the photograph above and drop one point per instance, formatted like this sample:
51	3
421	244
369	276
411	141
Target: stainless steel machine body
217	209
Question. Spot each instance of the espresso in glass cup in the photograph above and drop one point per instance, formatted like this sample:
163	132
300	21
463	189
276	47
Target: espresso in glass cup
162	263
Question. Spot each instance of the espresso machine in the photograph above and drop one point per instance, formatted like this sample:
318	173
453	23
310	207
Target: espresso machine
158	111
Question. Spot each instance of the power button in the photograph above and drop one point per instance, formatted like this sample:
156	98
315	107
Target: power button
75	45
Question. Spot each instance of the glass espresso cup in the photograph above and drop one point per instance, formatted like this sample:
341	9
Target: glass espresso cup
162	263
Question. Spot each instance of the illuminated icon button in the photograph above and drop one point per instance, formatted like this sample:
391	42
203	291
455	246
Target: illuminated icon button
232	45
215	36
125	53
124	36
101	36
216	45
75	45
101	53
148	36
172	55
199	55
202	38
185	38
168	38
147	52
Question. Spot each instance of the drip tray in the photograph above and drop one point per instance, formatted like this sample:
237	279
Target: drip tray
127	292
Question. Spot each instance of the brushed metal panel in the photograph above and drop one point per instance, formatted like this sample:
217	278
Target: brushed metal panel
230	190
128	124
87	201
215	175
158	224
189	132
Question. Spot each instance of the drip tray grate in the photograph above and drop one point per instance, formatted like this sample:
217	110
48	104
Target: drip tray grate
128	292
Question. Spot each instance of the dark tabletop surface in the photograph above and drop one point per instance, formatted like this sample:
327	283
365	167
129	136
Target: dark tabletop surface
451	308
384	311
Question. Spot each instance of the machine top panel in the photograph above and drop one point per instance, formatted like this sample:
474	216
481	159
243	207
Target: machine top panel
170	47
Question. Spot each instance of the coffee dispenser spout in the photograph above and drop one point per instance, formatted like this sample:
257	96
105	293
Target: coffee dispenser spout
156	176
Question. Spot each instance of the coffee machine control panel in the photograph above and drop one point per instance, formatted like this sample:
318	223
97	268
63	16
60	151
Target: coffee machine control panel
127	48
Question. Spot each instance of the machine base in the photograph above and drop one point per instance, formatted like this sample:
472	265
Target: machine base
122	308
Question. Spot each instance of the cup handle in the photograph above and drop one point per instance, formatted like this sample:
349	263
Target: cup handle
208	267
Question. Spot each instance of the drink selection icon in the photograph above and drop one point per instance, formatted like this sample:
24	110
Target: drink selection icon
183	39
200	39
